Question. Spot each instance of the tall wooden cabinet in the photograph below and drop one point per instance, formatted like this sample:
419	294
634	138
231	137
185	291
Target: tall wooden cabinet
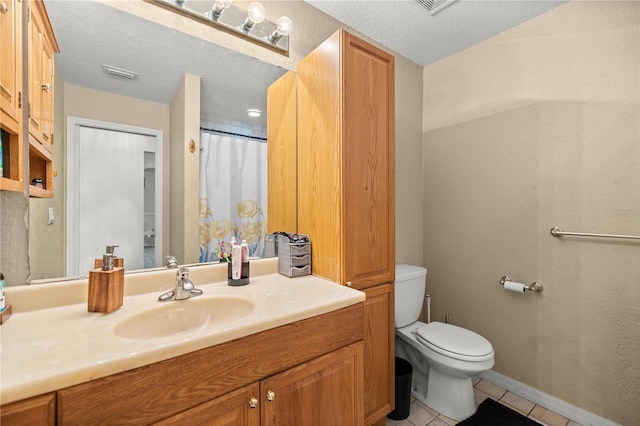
346	188
281	154
41	46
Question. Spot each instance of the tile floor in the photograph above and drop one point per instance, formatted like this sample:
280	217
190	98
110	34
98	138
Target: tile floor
422	415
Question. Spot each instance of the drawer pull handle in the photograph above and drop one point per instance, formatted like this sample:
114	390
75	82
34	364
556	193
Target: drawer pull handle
46	87
271	395
3	7
253	402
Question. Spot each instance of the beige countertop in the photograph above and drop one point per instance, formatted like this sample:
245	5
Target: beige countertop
46	349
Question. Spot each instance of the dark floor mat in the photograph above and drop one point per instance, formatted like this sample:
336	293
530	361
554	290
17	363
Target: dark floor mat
492	413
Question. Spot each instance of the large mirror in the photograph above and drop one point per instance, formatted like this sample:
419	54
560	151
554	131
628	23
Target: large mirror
109	58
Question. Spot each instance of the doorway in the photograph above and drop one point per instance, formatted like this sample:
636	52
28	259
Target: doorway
114	194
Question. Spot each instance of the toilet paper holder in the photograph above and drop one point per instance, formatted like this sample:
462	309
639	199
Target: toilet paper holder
535	287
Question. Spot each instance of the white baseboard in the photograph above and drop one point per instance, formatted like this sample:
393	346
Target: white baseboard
551	402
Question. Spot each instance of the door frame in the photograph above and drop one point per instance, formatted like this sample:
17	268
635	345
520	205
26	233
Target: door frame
72	158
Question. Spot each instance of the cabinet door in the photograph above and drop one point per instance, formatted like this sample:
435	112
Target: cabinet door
36	42
281	154
10	60
325	391
368	164
36	411
379	352
237	408
42	46
46	115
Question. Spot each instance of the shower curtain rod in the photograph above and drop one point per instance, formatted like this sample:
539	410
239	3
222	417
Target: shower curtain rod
233	134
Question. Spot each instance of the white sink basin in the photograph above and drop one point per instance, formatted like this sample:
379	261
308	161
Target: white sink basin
183	316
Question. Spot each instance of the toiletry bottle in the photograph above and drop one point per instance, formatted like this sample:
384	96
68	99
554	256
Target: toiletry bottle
2	305
236	262
245	251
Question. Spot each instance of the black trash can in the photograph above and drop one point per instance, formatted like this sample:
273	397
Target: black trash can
403	390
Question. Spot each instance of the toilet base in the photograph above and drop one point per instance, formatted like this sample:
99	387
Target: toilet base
451	396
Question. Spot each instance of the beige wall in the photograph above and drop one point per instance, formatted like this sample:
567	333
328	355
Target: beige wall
534	128
47	259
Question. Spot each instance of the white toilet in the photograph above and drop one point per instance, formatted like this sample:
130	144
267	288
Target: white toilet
444	357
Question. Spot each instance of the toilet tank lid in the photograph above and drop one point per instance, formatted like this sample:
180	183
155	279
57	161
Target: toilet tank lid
407	272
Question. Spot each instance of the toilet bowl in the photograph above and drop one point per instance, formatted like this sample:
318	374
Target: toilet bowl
445	357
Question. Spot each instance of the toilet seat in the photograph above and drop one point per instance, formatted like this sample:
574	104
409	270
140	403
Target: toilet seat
455	342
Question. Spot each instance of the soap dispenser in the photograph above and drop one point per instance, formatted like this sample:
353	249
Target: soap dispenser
106	285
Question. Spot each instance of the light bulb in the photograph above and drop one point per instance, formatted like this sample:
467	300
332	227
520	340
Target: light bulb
218	7
256	12
283	28
285	24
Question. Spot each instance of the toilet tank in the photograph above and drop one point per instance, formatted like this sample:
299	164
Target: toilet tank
410	285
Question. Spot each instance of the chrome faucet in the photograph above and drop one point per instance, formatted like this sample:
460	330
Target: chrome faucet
184	288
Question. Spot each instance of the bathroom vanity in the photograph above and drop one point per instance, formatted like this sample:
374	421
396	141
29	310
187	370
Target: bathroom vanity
296	356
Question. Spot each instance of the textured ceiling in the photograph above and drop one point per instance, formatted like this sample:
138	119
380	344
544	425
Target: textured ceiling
408	28
91	34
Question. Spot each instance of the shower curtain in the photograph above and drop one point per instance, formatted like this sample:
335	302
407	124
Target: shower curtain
233	194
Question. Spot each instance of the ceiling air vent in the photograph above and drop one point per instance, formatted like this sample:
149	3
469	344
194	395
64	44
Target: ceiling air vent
435	6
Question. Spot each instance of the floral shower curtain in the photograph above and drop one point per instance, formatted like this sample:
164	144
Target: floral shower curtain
233	194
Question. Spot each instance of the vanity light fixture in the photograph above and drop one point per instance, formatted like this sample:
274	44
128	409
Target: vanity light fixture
218	7
254	112
283	28
223	15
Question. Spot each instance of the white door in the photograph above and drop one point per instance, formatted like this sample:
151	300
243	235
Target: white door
106	195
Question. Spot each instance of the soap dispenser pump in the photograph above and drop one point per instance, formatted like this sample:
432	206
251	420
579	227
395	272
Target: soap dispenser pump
116	261
106	284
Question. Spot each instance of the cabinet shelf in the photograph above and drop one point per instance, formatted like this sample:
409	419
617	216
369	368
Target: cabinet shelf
10	185
36	192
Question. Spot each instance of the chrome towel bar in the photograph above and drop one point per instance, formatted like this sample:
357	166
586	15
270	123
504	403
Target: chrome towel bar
559	232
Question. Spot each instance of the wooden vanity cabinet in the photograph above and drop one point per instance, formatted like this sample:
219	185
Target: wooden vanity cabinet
309	365
237	408
323	391
346	189
39	410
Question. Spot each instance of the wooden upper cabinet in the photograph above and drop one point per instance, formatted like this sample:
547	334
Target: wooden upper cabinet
346	160
11	110
42	46
10	62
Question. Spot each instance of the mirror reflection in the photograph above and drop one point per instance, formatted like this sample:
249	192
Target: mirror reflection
120	69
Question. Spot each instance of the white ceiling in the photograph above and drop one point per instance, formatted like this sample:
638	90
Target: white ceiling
408	28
